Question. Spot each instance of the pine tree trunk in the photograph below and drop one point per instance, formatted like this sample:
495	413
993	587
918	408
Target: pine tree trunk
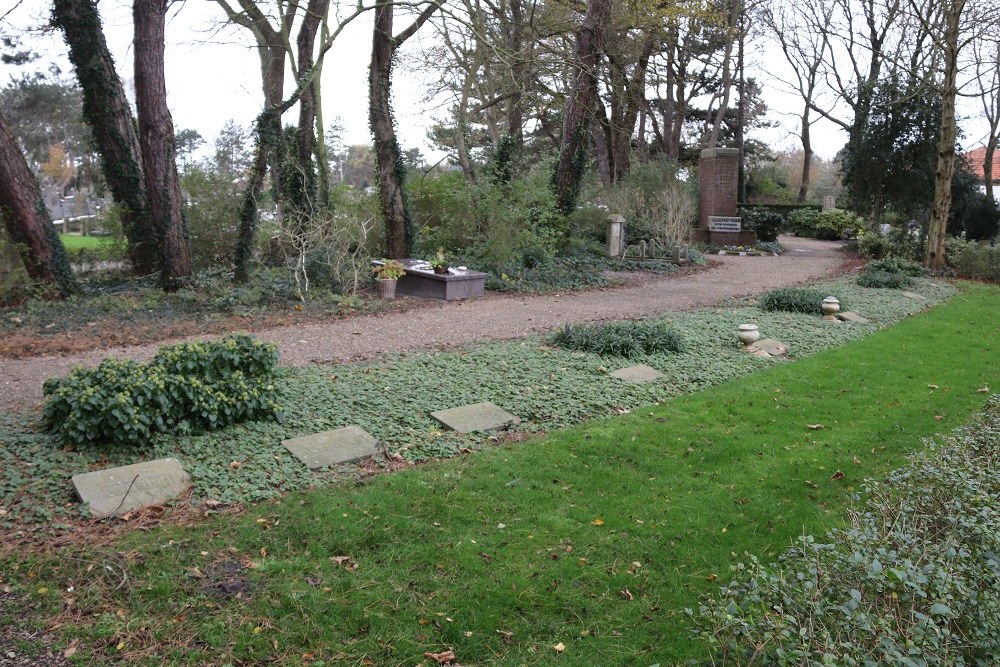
389	163
586	55
26	219
156	137
107	111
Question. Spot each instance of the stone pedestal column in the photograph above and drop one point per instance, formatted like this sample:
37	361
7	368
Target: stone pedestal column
614	234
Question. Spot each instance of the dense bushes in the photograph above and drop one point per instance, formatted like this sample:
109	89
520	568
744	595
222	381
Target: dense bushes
620	339
914	580
793	300
830	225
885	279
765	223
190	386
974	259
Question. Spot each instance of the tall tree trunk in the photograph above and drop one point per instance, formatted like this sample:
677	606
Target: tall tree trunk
991	149
586	55
934	258
308	102
106	110
519	72
389	169
26	219
156	137
601	129
807	155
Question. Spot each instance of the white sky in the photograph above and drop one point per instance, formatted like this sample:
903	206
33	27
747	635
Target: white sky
213	75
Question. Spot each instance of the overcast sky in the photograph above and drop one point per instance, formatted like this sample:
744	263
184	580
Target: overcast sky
213	75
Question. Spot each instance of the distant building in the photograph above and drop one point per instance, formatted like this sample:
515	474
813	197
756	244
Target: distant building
976	159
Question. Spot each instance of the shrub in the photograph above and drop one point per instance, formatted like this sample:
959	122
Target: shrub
793	300
767	224
914	579
190	386
620	339
904	241
897	265
886	279
772	247
803	222
975	259
836	224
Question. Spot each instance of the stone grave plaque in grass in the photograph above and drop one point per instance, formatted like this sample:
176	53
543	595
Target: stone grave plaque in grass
115	491
848	316
773	348
638	374
343	445
478	417
914	295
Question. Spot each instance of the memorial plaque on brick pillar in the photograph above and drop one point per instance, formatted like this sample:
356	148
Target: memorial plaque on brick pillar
718	174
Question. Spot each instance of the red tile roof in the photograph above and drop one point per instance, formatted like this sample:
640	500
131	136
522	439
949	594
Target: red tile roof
977	157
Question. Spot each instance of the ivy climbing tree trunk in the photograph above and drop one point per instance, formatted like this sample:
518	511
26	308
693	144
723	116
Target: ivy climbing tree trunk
389	168
308	103
156	138
106	110
26	219
586	57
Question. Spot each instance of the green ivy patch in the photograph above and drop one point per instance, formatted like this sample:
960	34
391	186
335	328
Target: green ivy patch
392	399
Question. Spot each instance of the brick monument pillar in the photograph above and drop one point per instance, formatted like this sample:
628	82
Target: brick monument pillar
718	176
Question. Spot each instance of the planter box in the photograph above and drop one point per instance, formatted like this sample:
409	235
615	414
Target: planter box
446	286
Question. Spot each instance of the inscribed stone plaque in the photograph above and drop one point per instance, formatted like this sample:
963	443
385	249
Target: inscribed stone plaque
478	417
914	295
848	316
637	374
343	445
120	490
719	223
772	347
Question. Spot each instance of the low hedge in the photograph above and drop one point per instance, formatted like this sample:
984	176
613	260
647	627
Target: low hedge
620	339
186	387
914	579
793	300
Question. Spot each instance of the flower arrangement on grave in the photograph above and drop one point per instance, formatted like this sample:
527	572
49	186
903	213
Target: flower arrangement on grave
438	263
389	269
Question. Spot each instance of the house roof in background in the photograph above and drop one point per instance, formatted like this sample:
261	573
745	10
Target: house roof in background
976	158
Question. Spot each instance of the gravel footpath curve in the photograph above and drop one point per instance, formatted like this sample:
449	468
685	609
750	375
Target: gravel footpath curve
495	317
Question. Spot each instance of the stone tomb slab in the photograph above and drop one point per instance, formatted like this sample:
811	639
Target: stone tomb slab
477	417
116	491
322	450
914	295
639	374
848	316
772	347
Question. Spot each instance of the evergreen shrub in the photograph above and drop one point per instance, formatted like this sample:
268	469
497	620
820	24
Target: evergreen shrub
885	279
620	339
186	387
793	300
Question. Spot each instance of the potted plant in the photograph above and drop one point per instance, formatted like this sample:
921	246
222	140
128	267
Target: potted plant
438	262
387	273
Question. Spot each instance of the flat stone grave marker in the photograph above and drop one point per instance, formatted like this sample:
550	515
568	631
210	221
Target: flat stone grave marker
638	374
771	347
848	316
477	417
120	490
914	295
322	450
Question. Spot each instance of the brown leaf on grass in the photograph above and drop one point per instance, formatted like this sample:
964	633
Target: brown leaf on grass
344	561
814	427
71	649
486	557
938	417
812	484
627	594
559	648
933	386
985	389
838	475
506	636
444	658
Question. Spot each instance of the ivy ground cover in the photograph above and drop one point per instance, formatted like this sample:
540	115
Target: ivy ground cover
584	546
544	386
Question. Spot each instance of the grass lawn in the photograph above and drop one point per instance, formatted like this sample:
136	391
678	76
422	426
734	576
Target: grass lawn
73	242
581	548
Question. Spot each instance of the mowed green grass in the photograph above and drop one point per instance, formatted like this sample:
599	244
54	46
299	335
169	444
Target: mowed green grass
580	548
73	242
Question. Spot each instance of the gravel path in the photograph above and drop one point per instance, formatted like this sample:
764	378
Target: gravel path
440	325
